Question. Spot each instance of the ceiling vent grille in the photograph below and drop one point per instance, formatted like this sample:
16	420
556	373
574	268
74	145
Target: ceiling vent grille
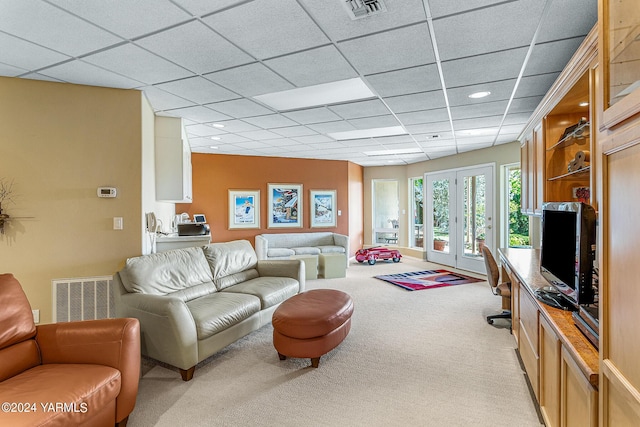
358	9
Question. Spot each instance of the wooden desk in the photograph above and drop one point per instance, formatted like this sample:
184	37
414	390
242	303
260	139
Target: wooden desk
561	364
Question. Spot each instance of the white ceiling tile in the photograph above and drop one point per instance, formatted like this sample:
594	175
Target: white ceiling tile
198	114
250	80
482	68
270	121
283	142
161	100
87	74
429	128
289	28
447	7
354	110
552	56
196	47
423	116
329	127
569	18
312	115
480	35
127	18
313	139
231	138
374	122
500	90
409	80
136	63
198	90
25	55
519	118
525	105
202	7
416	102
294	131
203	130
240	108
237	126
390	50
11	71
51	27
258	135
311	67
476	123
536	85
479	110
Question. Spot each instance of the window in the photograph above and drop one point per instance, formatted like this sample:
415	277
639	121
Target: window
385	212
416	197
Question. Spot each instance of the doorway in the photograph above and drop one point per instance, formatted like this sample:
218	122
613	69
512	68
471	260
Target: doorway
459	216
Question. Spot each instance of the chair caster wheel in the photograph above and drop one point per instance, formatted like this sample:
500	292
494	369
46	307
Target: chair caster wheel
490	321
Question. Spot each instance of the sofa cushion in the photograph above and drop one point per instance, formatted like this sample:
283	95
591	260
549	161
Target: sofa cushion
292	240
306	250
330	249
18	358
270	290
280	252
217	312
226	259
91	387
166	272
16	318
243	276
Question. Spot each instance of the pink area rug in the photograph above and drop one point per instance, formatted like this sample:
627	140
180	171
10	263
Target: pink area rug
429	279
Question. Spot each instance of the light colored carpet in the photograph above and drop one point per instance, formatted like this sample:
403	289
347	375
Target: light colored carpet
421	358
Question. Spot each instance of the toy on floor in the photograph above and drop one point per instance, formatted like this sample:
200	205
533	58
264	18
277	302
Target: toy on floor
371	255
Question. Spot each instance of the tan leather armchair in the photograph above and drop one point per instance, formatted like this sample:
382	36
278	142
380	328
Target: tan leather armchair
64	374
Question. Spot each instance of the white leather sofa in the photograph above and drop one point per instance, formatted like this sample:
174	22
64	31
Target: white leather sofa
284	245
192	302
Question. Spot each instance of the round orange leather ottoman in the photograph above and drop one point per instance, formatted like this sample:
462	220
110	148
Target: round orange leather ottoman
311	324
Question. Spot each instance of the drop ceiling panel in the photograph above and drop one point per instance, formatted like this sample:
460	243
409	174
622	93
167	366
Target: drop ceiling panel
198	90
260	135
312	115
500	90
250	80
293	131
203	130
447	7
240	108
138	18
536	85
10	71
551	57
329	127
138	64
198	114
484	68
289	28
203	7
313	139
568	18
87	74
51	27
481	110
479	35
416	102
424	116
374	122
161	100
311	67
196	47
27	56
354	110
390	50
270	121
409	80
237	126
429	128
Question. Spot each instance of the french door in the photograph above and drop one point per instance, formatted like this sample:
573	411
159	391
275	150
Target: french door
459	216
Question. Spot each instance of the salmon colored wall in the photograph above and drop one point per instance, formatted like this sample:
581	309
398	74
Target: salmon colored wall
215	174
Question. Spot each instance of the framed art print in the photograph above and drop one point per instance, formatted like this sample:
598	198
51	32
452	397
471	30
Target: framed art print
244	209
323	208
285	205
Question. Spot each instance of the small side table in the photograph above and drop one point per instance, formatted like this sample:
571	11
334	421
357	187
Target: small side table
332	266
310	265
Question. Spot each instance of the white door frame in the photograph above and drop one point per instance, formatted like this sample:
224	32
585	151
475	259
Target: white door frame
456	256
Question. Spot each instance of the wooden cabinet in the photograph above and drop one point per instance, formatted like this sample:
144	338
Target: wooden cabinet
558	138
173	161
579	399
528	344
618	150
550	349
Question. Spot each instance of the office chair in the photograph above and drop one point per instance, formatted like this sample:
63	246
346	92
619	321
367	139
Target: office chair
502	289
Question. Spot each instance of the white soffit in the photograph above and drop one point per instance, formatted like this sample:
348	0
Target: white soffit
368	133
313	96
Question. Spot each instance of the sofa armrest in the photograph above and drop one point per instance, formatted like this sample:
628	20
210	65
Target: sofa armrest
283	268
109	342
262	247
342	240
168	328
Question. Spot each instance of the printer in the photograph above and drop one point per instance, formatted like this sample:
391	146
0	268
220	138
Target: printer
196	228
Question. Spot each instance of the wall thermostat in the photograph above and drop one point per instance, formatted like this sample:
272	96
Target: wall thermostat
106	192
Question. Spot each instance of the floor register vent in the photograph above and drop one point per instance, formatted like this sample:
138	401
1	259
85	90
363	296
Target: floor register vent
358	9
83	298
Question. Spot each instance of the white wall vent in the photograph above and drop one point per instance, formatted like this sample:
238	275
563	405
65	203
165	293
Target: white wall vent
358	9
83	298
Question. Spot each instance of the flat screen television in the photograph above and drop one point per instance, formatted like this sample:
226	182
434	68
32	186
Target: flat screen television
567	250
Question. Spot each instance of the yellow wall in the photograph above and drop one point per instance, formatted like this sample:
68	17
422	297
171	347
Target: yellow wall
58	143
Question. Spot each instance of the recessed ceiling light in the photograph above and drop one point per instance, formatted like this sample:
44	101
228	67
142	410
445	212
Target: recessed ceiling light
391	152
477	132
583	104
218	125
214	147
367	133
216	138
313	96
480	94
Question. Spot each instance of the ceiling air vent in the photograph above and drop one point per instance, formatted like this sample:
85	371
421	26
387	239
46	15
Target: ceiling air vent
358	9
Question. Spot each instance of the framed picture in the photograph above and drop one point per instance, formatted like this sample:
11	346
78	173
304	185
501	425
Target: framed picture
244	209
323	208
285	205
